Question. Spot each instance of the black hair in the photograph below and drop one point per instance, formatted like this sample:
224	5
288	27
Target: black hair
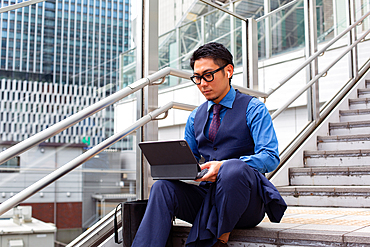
218	52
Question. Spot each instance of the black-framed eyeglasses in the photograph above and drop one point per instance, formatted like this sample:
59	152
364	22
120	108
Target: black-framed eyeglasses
208	77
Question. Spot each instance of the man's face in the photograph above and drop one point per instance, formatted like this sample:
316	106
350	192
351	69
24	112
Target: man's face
219	87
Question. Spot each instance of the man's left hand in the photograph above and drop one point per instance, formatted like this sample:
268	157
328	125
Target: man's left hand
213	168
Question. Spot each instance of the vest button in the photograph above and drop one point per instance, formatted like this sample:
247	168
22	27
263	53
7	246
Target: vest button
215	148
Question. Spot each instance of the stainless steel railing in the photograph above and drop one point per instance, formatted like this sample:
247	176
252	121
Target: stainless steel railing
311	82
55	175
79	116
150	80
330	104
317	54
66	123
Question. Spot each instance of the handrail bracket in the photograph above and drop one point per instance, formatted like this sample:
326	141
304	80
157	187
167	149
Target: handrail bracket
155	83
161	118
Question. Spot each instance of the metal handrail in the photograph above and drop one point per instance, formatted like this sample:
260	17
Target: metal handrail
79	116
310	127
317	54
311	82
251	92
104	227
52	177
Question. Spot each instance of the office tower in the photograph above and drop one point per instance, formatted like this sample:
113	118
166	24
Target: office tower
56	58
71	43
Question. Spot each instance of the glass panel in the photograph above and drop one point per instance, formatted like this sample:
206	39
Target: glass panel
249	9
176	46
127	68
81	64
190	39
337	76
217	28
281	32
80	198
169	55
325	20
238	48
291	121
363	52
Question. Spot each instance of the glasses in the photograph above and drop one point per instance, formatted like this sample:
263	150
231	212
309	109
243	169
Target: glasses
208	77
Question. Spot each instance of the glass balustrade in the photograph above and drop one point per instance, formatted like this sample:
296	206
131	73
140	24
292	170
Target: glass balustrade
329	84
79	199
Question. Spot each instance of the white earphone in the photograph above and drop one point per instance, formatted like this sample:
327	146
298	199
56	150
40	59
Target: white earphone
228	74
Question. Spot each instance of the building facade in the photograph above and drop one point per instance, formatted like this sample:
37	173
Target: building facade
74	43
58	57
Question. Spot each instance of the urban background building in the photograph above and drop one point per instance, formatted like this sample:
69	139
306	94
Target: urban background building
56	58
75	43
76	201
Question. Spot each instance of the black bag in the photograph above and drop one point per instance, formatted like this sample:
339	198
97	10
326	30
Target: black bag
131	214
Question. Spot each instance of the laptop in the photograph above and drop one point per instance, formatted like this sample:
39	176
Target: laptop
171	159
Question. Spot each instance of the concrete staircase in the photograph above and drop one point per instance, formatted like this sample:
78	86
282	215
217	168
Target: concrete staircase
337	174
328	197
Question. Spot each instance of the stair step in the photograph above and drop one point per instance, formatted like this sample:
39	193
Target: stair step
330	176
343	142
354	115
361	103
300	226
357	157
326	196
363	93
350	128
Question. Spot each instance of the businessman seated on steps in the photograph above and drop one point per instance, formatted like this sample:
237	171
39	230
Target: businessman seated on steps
235	135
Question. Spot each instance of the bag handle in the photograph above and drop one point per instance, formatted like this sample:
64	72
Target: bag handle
116	225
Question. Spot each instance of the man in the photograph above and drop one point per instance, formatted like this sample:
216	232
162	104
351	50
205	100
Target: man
238	144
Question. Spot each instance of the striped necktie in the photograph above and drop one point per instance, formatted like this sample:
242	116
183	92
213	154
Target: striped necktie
215	124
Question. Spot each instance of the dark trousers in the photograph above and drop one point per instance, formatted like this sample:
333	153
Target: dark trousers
231	202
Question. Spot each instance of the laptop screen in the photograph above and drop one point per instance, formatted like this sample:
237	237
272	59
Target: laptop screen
169	152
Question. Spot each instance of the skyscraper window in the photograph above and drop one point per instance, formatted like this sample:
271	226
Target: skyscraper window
45	48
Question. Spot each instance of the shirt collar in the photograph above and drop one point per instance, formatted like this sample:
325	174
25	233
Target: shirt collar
227	101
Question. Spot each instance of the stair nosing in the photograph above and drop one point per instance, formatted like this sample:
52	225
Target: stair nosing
325	188
330	169
356	100
354	112
363	90
321	139
329	152
350	124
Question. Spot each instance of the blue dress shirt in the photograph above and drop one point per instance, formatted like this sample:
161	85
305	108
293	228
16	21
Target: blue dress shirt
266	157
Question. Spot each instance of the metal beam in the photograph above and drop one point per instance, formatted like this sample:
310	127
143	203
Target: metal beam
223	9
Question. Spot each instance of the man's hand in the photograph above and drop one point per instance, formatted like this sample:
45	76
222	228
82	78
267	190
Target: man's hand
211	175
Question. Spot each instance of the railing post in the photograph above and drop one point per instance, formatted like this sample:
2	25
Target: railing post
313	103
232	30
352	37
150	92
267	8
139	97
250	55
202	29
147	99
178	46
